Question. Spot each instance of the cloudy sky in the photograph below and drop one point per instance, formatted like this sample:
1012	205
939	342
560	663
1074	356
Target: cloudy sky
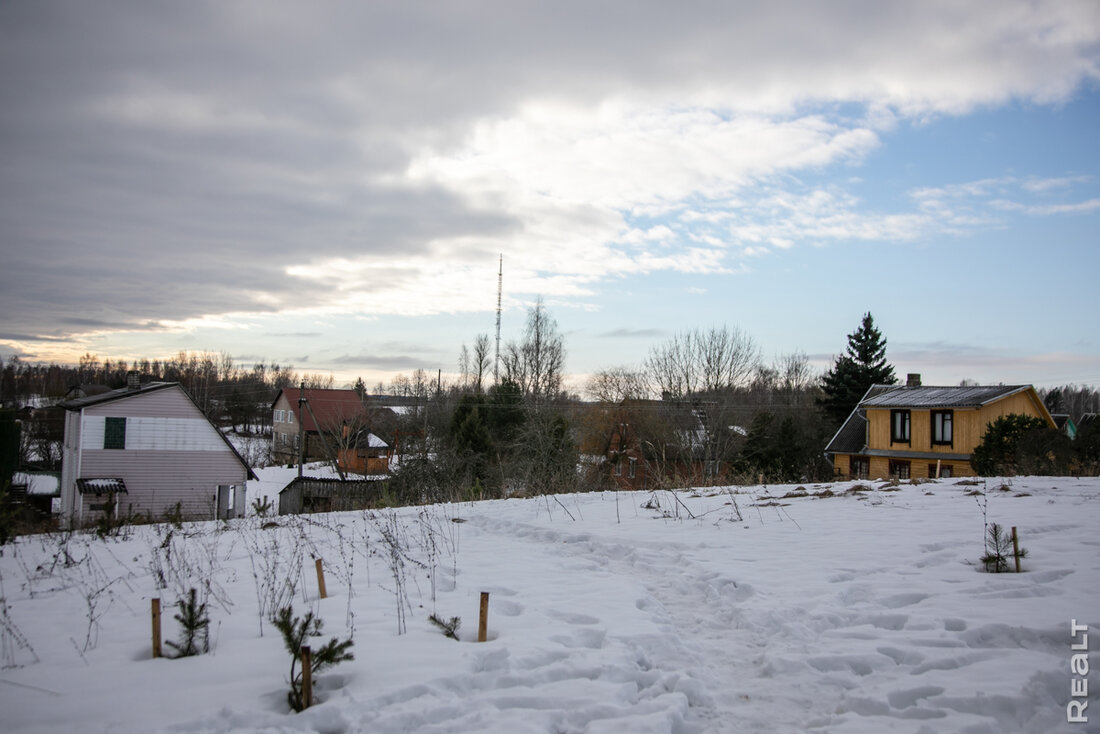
331	184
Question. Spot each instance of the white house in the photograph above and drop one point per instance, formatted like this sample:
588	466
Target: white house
143	449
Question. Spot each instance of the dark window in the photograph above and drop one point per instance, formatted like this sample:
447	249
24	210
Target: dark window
943	427
860	468
899	469
633	467
945	471
899	426
114	433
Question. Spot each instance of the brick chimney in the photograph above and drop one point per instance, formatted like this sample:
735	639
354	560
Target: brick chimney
133	380
912	379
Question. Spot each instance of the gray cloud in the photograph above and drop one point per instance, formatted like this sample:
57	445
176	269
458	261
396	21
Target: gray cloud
382	362
30	337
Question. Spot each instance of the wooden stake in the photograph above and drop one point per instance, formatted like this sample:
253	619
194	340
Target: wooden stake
321	579
1016	548
483	621
307	677
156	628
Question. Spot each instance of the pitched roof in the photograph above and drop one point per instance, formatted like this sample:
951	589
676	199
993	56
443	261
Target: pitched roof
367	440
330	407
928	396
119	394
852	436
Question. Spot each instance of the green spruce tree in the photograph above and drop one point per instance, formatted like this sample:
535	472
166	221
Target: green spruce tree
864	364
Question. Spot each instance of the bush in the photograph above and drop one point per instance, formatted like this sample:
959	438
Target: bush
998	452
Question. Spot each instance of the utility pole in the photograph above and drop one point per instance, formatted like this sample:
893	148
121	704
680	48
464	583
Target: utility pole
301	428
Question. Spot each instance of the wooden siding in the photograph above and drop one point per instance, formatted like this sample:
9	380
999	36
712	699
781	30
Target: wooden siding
919	468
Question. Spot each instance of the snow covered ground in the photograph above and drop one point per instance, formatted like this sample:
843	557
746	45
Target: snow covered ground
827	609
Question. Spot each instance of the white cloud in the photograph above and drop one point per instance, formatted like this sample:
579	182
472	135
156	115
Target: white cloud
364	156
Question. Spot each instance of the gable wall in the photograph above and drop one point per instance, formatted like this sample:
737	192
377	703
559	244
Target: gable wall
283	433
167	403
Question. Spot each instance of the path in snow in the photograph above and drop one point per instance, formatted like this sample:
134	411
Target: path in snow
770	640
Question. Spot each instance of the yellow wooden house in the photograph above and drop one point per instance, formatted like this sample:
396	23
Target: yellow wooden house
916	431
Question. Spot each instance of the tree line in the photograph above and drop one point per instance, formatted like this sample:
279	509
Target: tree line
702	398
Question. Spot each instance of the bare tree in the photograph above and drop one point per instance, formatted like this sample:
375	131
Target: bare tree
616	384
795	377
697	362
473	366
537	364
317	381
464	367
481	362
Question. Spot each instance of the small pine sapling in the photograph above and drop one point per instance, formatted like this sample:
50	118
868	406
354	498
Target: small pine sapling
262	506
295	630
449	626
195	622
999	548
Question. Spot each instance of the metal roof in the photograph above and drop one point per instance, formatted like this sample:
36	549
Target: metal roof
852	436
939	397
121	393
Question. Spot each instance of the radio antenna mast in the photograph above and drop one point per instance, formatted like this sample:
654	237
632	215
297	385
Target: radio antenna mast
500	289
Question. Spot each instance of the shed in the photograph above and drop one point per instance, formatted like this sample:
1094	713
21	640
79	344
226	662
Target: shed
310	494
